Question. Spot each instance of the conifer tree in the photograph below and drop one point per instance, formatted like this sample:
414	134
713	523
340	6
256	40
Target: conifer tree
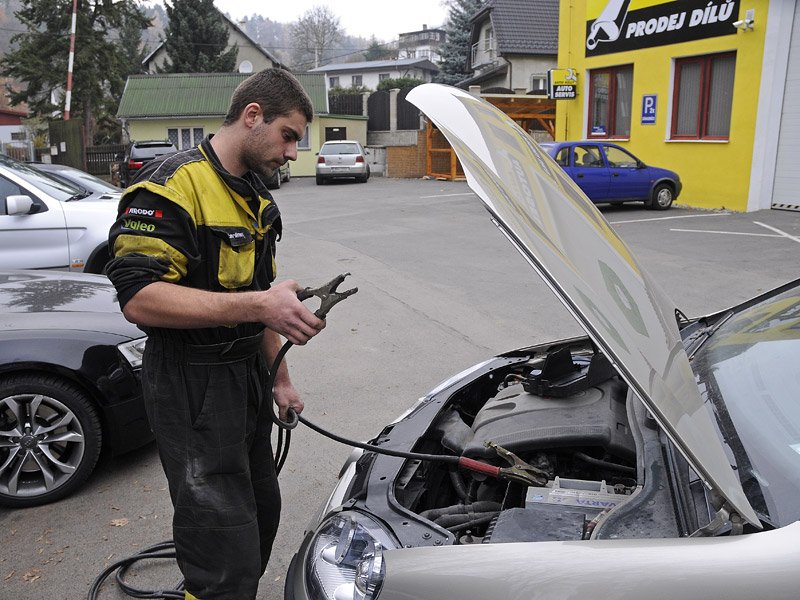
455	54
40	56
197	39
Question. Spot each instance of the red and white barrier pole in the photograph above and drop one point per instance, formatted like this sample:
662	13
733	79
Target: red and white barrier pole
68	101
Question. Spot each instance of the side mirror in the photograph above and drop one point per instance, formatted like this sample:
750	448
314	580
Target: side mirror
640	164
20	205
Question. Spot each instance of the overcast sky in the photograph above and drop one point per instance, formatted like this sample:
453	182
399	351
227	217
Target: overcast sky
384	19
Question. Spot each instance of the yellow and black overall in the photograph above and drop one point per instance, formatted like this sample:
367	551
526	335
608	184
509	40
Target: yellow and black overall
187	221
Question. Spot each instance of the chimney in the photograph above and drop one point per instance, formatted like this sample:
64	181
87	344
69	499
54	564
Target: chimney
424	27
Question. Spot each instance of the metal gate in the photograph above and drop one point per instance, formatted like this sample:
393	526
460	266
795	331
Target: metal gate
378	110
407	113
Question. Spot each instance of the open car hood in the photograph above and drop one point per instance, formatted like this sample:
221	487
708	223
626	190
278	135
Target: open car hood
573	248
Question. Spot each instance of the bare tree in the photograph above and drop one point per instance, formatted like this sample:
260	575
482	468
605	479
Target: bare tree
314	34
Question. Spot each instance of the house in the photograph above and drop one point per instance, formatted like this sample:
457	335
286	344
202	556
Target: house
250	59
708	89
185	107
425	43
513	44
370	73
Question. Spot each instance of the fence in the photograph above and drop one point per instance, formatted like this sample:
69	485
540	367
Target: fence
100	158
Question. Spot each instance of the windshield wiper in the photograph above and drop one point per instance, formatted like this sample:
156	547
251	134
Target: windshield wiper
709	331
79	196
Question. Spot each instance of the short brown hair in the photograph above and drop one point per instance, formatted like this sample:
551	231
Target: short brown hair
276	91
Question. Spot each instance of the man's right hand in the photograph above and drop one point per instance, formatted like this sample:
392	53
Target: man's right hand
282	312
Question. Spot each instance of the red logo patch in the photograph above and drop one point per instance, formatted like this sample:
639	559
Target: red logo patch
143	212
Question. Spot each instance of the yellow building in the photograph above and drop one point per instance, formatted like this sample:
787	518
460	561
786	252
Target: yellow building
699	87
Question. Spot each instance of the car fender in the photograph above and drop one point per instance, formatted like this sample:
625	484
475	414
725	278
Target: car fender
88	223
732	567
89	360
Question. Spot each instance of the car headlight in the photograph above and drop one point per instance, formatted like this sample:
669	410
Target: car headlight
133	351
345	560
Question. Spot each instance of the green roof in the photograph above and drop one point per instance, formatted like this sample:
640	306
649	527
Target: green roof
197	94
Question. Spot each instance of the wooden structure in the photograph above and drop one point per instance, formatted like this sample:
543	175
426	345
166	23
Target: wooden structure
532	113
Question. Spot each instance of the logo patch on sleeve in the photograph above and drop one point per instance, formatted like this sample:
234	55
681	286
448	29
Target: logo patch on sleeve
143	212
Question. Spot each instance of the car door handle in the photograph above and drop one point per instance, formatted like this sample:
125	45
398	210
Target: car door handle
615	174
579	175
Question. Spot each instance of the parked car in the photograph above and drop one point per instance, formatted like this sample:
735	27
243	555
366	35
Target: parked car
81	179
48	223
281	175
656	457
342	159
69	383
139	154
609	173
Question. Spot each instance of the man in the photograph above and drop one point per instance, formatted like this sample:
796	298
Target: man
193	258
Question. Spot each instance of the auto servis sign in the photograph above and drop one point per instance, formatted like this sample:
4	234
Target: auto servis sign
620	25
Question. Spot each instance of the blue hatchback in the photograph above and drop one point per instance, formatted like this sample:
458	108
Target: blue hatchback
609	173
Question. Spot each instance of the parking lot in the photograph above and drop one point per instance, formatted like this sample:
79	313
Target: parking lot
439	290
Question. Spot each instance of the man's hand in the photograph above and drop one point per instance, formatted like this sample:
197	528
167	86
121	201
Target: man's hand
286	396
282	312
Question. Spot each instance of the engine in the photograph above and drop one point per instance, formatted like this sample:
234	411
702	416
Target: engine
563	412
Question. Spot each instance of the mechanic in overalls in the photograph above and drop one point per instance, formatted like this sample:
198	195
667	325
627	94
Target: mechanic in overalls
193	259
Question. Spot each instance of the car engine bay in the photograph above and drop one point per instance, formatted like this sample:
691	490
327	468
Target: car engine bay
564	411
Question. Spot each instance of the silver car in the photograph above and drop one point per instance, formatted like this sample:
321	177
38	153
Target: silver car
47	223
342	159
657	457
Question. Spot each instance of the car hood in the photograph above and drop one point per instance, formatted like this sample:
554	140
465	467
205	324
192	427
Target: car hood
572	247
50	300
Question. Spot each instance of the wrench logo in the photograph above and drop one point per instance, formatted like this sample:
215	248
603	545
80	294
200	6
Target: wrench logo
608	26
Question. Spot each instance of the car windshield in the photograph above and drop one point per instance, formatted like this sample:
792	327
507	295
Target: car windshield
742	370
328	149
89	182
56	188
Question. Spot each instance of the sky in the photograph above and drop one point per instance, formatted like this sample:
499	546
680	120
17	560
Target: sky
384	19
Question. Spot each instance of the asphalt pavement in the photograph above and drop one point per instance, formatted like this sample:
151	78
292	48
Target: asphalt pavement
439	290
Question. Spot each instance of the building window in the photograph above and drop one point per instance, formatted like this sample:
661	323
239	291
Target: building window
610	102
356	80
185	138
703	97
488	40
383	76
334	82
539	84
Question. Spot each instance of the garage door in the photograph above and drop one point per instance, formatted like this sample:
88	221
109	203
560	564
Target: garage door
786	193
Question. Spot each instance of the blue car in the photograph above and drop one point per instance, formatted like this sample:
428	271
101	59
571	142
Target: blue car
609	173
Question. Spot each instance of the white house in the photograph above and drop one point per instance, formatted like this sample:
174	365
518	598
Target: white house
370	73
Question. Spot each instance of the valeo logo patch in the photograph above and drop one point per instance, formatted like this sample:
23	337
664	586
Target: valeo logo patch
138	225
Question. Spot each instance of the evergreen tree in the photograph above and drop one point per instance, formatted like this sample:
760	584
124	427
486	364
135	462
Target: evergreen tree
378	51
40	56
456	52
197	39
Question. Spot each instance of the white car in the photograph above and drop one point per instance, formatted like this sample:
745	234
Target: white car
46	223
655	458
342	159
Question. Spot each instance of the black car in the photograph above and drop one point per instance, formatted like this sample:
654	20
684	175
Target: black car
69	383
141	153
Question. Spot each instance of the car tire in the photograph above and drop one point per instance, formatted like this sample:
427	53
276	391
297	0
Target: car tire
661	198
320	180
51	439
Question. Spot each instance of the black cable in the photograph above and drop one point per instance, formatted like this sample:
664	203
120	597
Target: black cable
162	550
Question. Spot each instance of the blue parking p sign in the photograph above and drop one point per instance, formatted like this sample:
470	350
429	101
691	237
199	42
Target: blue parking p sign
649	109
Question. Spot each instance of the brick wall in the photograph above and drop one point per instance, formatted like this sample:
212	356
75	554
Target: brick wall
407	161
